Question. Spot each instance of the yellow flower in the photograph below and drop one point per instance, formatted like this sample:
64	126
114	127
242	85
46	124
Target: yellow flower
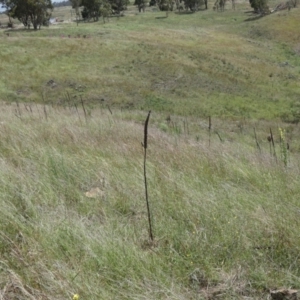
282	133
76	297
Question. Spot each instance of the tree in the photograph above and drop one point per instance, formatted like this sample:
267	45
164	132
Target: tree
259	6
75	5
141	4
105	11
29	12
118	6
6	4
91	9
165	5
194	5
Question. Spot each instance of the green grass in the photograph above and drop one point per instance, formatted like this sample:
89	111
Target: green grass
226	217
225	214
199	64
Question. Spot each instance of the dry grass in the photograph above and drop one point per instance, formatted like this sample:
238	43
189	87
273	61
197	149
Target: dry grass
191	64
225	216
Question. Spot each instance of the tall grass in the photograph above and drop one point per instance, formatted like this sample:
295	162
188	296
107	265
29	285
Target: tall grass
226	216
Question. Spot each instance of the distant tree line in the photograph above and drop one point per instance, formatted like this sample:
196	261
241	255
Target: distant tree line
36	13
94	9
170	5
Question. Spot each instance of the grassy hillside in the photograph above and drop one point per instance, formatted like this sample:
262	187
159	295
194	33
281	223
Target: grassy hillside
73	213
224	202
207	63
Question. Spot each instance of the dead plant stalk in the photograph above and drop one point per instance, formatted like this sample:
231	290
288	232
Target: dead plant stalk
145	175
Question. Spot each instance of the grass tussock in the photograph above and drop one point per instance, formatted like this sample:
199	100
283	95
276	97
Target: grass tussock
73	216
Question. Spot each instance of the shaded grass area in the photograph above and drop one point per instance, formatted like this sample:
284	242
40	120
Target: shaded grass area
191	64
226	216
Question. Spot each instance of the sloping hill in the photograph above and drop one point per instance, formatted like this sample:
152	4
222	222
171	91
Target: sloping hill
206	63
224	199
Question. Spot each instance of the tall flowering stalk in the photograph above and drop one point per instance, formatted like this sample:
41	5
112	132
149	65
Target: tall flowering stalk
145	175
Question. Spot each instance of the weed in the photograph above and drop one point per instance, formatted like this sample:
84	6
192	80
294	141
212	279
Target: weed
145	175
283	146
